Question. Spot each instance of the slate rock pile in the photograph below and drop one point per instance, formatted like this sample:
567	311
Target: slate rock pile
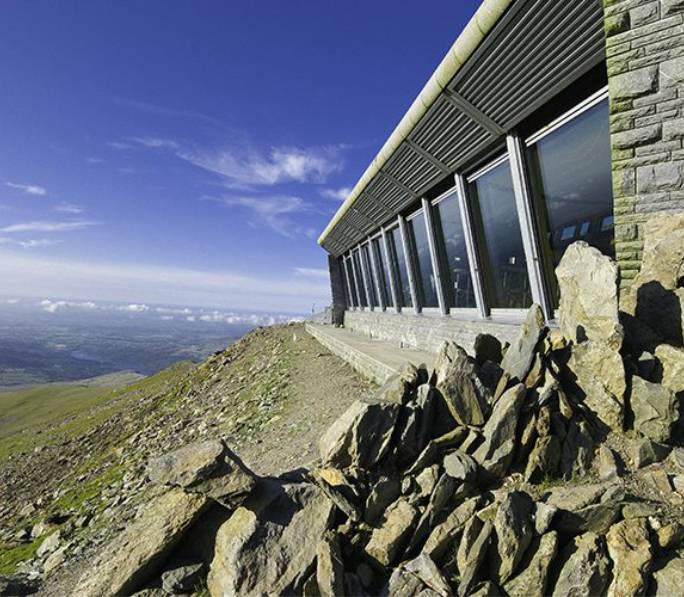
548	467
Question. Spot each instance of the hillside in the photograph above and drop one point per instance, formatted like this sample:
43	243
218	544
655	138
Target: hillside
72	457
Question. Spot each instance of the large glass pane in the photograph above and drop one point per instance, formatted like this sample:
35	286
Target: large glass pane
352	282
345	281
499	239
359	279
397	249
451	246
383	271
427	284
571	177
370	277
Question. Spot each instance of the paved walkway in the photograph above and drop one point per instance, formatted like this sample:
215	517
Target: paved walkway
376	359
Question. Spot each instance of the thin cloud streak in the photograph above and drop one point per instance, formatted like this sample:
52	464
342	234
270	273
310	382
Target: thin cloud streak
45	226
68	208
29	189
337	194
150	108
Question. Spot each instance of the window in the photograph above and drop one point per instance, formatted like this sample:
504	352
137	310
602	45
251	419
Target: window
370	277
361	289
570	173
452	252
427	283
499	239
345	282
383	271
399	262
352	282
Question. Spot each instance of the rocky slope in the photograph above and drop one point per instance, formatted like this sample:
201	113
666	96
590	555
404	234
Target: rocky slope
552	466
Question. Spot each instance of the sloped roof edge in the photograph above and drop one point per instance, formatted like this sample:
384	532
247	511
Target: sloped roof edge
482	22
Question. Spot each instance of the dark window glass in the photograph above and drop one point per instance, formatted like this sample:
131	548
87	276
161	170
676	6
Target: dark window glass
399	260
451	246
363	301
370	277
345	281
571	177
499	239
352	282
383	271
427	284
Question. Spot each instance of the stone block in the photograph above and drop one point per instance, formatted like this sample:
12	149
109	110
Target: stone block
667	176
642	15
672	6
672	72
617	23
637	137
673	129
635	83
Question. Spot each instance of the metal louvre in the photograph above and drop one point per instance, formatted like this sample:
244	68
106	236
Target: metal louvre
537	48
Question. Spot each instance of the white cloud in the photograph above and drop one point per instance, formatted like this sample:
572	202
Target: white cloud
337	194
54	306
136	283
94	160
310	272
135	308
68	208
28	243
29	189
45	226
154	142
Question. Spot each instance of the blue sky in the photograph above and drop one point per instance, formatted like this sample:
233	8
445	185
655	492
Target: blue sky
190	152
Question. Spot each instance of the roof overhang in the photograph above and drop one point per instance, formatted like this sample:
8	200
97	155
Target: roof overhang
512	56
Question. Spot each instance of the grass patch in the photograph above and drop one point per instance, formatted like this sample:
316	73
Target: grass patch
10	557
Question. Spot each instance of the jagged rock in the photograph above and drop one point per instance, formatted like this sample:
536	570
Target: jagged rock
655	295
596	518
49	545
644	452
587	280
499	430
630	550
600	375
477	537
396	389
574	497
655	408
543	517
646	365
270	542
425	570
535	571
608	467
544	459
668	576
461	466
207	467
427	481
135	555
514	528
183	579
339	491
361	436
518	359
465	395
485	589
387	541
671	361
426	407
329	566
578	450
487	348
670	535
586	568
383	493
55	560
446	533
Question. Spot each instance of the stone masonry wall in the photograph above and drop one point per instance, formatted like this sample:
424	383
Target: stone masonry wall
645	61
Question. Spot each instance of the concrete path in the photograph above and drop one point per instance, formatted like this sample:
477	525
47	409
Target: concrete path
375	359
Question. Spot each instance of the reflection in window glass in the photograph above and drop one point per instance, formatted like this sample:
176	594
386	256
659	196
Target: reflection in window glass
383	271
427	284
345	283
451	246
359	279
352	282
499	239
370	277
571	177
399	260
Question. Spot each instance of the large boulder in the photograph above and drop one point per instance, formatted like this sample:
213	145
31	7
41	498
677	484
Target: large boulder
655	408
269	544
514	526
206	467
361	436
671	362
630	549
329	566
465	395
600	374
656	296
136	555
535	571
518	359
585	570
668	576
388	541
588	284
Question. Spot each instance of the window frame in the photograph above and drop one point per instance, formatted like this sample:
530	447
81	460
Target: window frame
415	264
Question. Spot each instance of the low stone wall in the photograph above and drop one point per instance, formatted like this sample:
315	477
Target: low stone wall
425	332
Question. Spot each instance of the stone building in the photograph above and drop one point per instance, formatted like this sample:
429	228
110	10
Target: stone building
547	122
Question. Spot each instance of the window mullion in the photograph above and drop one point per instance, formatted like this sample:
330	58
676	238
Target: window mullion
356	281
374	267
364	275
434	259
390	269
469	235
523	201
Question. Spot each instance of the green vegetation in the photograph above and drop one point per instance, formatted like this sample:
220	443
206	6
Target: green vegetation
10	557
